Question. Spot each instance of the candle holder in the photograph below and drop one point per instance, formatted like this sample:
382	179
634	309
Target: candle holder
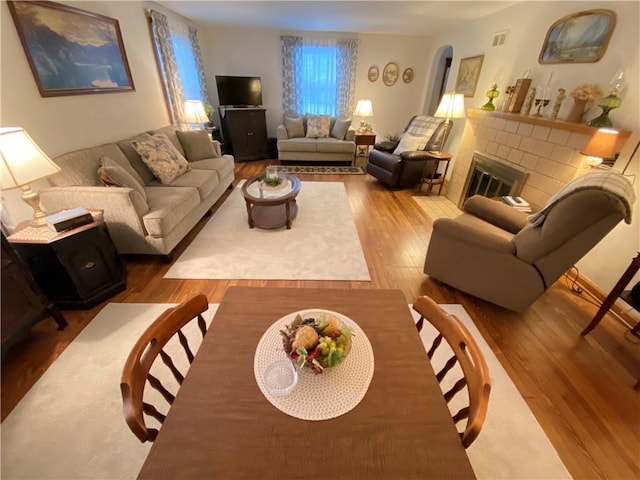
540	103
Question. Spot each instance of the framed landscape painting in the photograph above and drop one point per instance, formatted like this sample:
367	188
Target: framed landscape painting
71	51
581	37
468	75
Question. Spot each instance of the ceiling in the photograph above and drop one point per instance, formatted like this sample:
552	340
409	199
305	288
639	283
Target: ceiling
379	17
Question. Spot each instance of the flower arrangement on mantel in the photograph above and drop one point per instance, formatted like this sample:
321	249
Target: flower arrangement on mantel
582	95
587	92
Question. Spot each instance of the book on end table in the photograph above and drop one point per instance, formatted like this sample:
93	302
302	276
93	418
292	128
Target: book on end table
68	219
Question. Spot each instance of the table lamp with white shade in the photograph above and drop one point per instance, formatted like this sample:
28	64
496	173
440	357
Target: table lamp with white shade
451	106
364	109
22	163
194	113
601	146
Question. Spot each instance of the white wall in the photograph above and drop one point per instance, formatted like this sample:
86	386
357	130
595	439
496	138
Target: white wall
257	52
528	24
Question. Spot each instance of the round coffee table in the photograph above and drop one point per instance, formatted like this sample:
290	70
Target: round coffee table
271	207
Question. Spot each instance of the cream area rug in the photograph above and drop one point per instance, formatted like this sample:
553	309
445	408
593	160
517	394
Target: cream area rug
70	424
322	243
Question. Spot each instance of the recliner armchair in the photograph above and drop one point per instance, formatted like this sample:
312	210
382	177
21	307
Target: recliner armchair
407	168
497	253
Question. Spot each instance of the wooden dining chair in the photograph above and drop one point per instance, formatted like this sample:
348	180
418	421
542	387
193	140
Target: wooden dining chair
466	354
151	344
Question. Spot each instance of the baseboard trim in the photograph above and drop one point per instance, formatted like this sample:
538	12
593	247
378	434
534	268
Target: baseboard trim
594	291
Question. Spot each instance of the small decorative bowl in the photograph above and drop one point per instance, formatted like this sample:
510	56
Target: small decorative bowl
317	340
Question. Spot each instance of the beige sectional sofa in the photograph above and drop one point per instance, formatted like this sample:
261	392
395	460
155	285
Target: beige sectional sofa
297	143
144	215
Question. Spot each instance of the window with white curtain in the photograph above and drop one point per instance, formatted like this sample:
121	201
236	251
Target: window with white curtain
186	60
180	61
318	75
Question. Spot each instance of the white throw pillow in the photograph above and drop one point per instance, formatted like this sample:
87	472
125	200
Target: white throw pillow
409	143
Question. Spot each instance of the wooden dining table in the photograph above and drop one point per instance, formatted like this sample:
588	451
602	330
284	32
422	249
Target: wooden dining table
222	426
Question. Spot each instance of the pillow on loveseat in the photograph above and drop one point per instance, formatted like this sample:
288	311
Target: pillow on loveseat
294	127
318	126
340	128
197	144
113	175
162	158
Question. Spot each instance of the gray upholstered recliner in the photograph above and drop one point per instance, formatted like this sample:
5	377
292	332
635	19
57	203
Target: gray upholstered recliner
496	253
406	168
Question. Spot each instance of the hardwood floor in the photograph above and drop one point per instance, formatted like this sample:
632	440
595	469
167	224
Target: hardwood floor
580	389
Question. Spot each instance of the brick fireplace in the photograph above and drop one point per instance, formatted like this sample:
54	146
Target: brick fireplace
547	151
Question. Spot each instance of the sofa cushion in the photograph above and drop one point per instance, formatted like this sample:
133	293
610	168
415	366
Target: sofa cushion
171	131
224	165
340	128
80	167
162	158
204	180
333	145
294	127
134	157
168	206
197	144
410	143
114	175
297	145
318	126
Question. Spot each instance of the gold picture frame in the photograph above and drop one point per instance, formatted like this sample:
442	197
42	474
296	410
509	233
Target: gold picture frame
390	74
373	73
581	37
468	74
87	57
407	75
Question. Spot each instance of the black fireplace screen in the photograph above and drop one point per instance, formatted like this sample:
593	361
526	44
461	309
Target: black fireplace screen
492	178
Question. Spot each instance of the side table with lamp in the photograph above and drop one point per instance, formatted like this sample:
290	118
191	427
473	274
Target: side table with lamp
77	268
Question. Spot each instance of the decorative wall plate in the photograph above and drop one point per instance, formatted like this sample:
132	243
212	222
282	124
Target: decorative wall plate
390	74
373	73
407	75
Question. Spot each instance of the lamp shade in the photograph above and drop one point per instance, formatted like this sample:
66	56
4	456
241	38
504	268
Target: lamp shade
22	161
602	144
194	112
364	108
451	106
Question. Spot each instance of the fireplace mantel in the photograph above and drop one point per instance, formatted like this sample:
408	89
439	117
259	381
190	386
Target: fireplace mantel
547	150
544	122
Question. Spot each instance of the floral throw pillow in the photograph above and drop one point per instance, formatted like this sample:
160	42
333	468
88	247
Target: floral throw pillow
318	126
163	159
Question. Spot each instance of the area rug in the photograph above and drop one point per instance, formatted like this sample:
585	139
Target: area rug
320	170
322	244
70	424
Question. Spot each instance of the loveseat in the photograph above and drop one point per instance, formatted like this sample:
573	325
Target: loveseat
150	201
315	138
404	163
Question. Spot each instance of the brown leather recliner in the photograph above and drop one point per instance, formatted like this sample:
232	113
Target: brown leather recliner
492	251
407	168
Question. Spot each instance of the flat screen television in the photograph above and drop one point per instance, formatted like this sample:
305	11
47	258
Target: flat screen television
239	91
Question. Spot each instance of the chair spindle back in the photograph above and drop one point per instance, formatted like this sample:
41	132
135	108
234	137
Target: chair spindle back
150	345
468	356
